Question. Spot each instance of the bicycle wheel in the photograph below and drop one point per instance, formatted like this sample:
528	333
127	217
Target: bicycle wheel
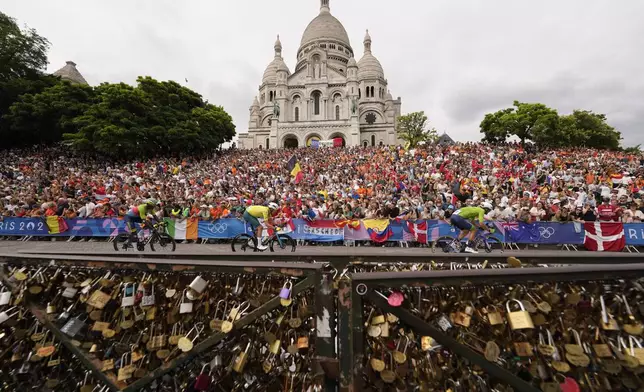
491	244
122	242
244	242
445	243
165	241
286	242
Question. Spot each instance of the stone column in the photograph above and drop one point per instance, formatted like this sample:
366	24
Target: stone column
274	135
354	131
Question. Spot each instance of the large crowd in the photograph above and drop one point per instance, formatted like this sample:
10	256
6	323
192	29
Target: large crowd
339	183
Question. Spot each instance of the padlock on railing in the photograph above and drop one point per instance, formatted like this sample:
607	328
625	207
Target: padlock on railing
185	306
198	284
519	319
203	380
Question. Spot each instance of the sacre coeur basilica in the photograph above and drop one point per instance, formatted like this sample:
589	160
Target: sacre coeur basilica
327	96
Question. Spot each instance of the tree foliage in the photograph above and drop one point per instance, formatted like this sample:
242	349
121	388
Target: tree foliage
45	116
153	118
118	120
412	129
633	149
23	53
547	129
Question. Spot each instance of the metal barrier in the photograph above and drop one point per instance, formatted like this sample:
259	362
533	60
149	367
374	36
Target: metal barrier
308	277
363	288
342	288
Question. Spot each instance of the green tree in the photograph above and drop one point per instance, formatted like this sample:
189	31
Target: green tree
633	149
10	92
153	118
495	126
45	116
412	129
22	52
527	121
588	129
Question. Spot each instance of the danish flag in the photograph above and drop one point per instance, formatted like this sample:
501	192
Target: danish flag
604	236
415	231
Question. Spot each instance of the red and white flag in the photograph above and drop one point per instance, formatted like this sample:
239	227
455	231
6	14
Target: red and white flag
604	236
415	231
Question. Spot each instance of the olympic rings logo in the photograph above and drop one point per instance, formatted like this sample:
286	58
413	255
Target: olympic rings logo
219	228
546	231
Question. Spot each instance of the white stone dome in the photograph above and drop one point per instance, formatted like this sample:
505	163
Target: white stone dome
278	64
325	26
369	67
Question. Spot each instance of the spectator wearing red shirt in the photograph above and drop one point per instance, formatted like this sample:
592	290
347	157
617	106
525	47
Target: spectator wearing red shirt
608	212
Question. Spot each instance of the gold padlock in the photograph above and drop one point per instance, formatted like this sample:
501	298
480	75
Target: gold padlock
241	359
494	316
519	319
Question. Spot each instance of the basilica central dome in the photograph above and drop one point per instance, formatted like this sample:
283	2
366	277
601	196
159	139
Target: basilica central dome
325	27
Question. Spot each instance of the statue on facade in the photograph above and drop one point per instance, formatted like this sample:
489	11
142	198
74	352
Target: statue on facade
354	105
276	109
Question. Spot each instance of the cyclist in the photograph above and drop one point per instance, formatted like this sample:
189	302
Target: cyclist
257	217
464	218
139	214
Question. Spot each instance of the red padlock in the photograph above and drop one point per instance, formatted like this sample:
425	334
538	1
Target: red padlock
203	380
569	385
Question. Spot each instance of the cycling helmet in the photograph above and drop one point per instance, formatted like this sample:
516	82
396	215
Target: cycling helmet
273	206
151	202
486	206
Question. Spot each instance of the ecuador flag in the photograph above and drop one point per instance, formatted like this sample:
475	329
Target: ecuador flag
378	229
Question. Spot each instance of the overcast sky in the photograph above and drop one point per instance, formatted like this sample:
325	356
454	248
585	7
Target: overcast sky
456	60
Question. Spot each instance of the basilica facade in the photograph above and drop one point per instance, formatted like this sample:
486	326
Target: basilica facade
327	96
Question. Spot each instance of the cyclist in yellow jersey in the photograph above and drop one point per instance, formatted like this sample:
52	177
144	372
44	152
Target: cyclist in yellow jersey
257	217
463	219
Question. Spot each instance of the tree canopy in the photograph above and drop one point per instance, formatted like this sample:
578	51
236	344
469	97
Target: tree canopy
45	116
412	128
547	129
23	52
153	118
116	120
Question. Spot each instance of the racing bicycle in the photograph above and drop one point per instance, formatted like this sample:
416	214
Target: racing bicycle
247	241
482	240
158	237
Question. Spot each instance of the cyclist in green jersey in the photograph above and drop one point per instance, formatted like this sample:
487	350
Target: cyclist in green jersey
464	219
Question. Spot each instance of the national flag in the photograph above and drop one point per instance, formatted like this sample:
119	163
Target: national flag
521	232
379	229
291	163
297	173
56	225
299	177
296	169
183	229
323	223
287	226
415	231
604	236
353	224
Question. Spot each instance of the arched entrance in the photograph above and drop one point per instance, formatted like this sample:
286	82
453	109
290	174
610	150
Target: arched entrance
290	142
340	136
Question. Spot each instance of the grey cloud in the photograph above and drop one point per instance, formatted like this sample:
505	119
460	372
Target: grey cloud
456	60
